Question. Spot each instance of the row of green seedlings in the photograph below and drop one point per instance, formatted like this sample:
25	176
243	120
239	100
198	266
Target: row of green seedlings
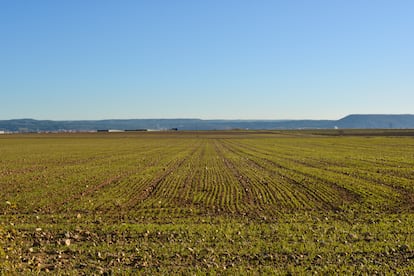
57	185
371	193
199	184
388	162
315	183
132	188
395	160
272	192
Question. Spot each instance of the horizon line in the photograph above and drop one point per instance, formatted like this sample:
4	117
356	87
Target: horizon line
218	119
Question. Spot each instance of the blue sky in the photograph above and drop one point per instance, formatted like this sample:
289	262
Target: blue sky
224	59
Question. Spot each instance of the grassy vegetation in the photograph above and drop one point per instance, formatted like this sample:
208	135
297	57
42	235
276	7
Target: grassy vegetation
207	202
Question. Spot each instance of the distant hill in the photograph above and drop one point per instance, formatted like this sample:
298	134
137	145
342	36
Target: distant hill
351	121
376	121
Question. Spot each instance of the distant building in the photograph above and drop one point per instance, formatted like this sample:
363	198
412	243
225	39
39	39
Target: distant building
110	130
134	130
2	132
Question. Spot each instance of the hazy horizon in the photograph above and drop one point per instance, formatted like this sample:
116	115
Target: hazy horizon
218	119
230	60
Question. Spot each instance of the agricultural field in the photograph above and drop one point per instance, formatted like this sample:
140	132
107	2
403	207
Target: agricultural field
236	202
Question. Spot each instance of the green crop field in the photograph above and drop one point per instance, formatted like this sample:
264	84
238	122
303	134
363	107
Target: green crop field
235	202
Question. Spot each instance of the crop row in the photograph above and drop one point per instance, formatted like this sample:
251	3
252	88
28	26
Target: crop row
182	175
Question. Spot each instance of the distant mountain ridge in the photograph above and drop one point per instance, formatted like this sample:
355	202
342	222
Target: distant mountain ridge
376	121
381	121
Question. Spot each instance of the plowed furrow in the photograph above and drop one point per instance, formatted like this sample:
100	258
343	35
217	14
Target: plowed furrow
153	185
345	194
248	197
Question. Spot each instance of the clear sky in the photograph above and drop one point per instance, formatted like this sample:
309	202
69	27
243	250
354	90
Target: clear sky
224	59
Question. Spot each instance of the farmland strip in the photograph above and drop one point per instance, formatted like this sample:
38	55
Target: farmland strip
152	186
